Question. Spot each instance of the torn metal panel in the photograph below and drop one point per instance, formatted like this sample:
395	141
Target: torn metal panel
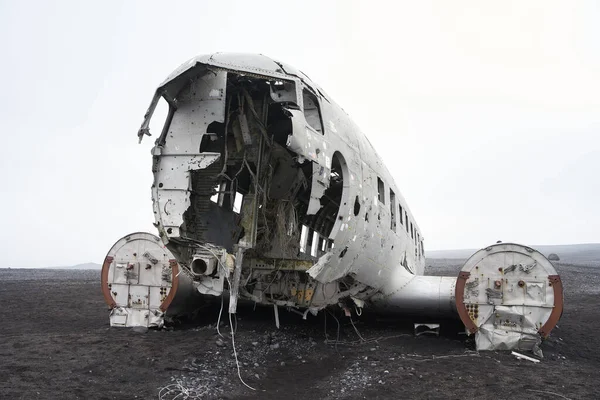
145	128
199	105
305	141
316	270
235	281
524	357
320	183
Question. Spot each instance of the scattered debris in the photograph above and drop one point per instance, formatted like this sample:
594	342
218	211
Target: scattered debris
434	357
427	329
524	357
179	391
276	311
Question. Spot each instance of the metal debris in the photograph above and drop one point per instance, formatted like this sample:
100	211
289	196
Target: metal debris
524	357
427	329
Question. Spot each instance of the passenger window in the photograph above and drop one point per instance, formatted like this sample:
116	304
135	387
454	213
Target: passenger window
312	114
237	202
392	210
412	231
303	238
380	190
406	219
314	243
401	215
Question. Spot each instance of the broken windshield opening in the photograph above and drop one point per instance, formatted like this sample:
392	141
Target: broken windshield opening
312	113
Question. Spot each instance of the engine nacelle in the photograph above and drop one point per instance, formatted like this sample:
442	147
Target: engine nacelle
509	296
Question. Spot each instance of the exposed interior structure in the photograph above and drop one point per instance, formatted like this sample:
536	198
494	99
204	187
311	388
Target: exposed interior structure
264	187
256	170
256	194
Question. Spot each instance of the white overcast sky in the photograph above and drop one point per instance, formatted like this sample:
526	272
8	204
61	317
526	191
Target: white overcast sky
486	112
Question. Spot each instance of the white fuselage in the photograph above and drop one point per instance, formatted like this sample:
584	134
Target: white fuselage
374	238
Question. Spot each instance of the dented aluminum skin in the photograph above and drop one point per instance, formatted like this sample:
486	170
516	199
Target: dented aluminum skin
361	243
263	186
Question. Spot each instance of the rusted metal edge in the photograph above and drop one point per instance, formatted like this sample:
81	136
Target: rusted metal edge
459	295
557	311
104	283
174	285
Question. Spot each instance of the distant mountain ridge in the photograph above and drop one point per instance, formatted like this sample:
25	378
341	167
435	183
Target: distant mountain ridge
574	253
89	265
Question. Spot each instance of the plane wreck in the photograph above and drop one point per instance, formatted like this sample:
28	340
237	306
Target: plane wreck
265	190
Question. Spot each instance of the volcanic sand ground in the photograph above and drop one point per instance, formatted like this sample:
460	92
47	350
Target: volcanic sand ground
55	343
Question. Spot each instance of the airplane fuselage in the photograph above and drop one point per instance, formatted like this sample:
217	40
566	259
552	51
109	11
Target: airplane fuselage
311	192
